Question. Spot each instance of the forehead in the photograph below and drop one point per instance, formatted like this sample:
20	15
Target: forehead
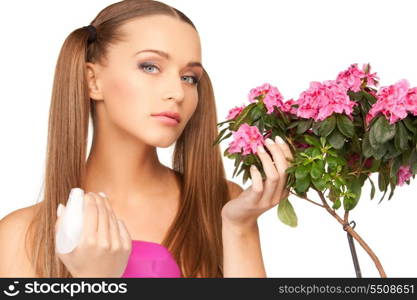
164	33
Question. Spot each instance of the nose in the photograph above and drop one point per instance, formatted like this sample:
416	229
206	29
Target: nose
175	90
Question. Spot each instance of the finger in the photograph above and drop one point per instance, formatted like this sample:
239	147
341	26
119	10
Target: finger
90	218
124	235
285	148
272	176
281	165
113	226
257	183
289	157
103	235
59	212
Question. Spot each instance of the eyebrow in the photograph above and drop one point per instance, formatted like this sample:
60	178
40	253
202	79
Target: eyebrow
167	56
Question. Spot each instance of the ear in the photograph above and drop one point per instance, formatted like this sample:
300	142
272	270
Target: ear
94	89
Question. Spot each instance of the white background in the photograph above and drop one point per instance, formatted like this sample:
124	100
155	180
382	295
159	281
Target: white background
245	43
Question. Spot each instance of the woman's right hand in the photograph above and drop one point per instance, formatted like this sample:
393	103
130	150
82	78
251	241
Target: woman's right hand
105	243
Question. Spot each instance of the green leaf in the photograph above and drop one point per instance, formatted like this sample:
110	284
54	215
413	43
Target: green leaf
375	165
336	139
336	203
246	175
256	113
320	183
242	116
302	184
333	194
345	126
327	126
382	183
312	140
322	141
367	149
383	196
219	136
301	172
331	163
395	166
290	170
409	124
369	97
286	213
355	187
372	188
315	127
304	125
293	124
401	137
381	132
413	161
249	160
393	185
379	152
316	170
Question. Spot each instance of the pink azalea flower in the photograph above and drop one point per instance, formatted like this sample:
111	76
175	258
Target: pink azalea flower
371	78
404	174
411	101
234	112
392	102
288	107
352	77
246	138
321	100
271	96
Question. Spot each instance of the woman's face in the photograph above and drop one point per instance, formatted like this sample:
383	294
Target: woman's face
133	86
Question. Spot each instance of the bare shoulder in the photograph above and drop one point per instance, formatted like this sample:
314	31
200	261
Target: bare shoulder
234	189
14	261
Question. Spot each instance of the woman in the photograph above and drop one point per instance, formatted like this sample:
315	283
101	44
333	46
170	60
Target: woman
207	223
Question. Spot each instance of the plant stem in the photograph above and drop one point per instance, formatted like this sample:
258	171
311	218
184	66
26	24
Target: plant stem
354	234
305	198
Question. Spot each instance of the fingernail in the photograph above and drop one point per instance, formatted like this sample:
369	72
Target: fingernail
279	140
102	194
269	141
261	149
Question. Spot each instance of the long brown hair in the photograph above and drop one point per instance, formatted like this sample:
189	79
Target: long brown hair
195	237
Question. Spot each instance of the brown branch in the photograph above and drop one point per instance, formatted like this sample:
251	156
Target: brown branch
354	234
346	217
305	198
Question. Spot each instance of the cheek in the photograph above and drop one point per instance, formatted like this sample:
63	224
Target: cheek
125	102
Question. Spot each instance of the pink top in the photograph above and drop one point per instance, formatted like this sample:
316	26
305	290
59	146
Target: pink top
149	259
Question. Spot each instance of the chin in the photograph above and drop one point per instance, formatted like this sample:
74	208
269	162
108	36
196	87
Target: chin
163	142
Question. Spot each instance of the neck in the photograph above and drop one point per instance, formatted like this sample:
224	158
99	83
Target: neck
126	169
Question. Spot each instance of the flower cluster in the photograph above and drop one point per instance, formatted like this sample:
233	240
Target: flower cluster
394	102
353	77
321	100
246	138
234	112
271	96
404	174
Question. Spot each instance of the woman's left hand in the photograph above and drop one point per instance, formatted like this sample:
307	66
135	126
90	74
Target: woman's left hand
244	210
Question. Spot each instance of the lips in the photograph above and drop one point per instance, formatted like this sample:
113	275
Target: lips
169	114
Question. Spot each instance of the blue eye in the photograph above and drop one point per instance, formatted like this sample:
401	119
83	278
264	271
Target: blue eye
143	66
195	80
